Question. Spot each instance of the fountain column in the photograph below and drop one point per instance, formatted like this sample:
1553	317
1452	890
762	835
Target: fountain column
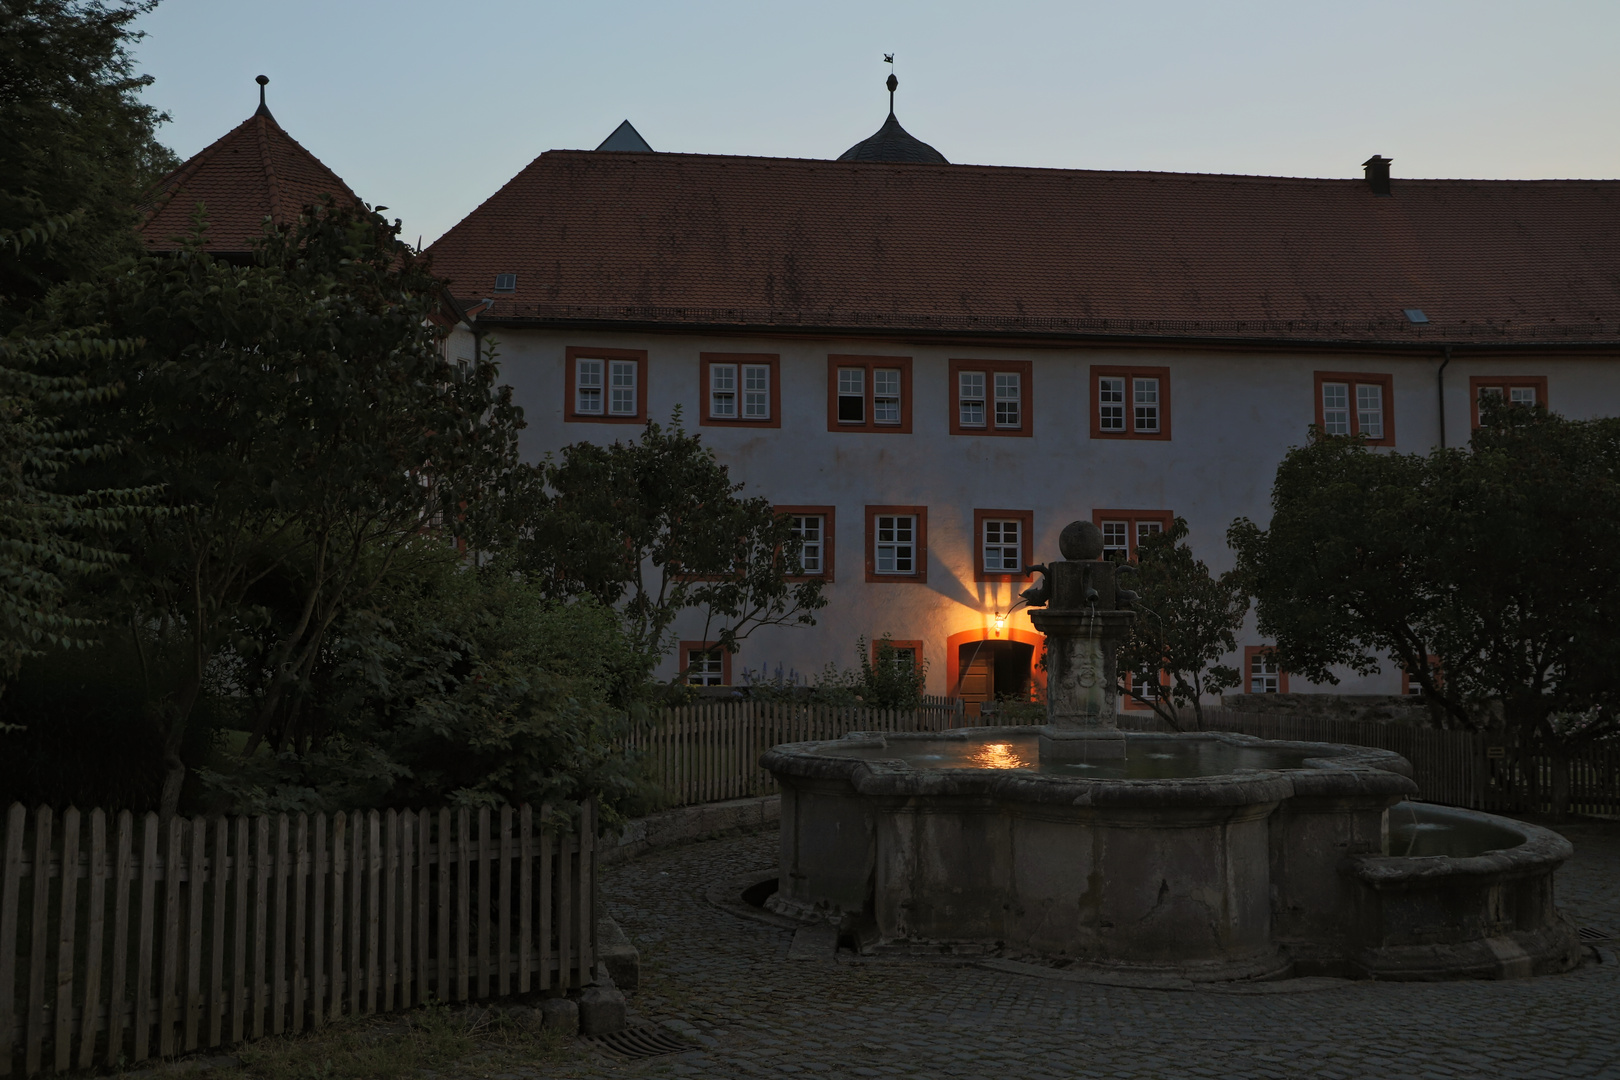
1084	626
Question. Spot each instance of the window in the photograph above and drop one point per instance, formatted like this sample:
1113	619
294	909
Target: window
813	525
707	664
1130	403
1124	530
970	390
1411	687
907	655
1003	544
1261	673
990	397
1151	690
505	282
897	543
607	385
739	390
869	393
1351	403
1519	389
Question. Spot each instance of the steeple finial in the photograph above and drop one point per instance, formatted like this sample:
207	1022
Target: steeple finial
893	83
263	109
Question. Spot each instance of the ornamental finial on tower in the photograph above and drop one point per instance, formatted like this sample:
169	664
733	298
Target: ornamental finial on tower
263	109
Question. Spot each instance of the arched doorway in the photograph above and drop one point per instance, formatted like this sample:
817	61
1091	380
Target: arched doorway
982	666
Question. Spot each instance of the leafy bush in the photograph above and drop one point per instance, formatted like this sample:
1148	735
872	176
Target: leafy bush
457	686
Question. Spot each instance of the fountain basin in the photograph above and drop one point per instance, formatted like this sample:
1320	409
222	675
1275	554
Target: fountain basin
1213	855
1458	893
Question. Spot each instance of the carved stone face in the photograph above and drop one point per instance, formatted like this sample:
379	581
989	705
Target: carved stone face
1081	541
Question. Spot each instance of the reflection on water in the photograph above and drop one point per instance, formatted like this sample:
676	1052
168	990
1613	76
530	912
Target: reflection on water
999	755
1421	829
1152	761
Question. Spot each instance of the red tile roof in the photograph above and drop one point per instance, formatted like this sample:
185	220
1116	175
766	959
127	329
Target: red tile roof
676	239
255	171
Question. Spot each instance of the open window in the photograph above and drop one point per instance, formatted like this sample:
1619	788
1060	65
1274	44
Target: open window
869	393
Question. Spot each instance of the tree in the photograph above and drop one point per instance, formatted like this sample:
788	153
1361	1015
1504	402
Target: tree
1342	575
305	429
75	139
1187	622
46	534
1500	561
654	528
453	684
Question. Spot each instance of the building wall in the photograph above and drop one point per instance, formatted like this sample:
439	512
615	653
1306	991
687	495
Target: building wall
1233	414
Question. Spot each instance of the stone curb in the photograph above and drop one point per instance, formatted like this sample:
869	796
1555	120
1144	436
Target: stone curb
689	824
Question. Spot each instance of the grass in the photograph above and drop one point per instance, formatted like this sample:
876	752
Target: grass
434	1040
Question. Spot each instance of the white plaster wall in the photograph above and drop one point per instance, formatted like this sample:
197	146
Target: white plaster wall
1234	414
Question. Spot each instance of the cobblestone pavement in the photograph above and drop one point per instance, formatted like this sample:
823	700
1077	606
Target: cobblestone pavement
760	1014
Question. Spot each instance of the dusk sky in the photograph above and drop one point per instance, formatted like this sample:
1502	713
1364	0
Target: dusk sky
430	107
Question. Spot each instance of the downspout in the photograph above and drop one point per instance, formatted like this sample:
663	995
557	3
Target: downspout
1440	380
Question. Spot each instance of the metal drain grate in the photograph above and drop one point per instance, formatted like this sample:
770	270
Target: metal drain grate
642	1041
1591	935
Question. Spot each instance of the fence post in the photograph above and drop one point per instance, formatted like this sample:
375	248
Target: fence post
95	934
67	923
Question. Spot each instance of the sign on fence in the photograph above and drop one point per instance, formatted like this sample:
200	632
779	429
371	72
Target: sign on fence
125	939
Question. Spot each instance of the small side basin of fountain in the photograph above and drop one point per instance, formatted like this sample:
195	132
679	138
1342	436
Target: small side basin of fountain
1211	856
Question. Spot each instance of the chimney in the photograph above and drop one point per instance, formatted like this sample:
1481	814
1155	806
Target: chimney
1378	174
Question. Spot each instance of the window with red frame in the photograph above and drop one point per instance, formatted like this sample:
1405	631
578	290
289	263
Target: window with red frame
1261	675
869	393
1518	389
1150	689
1411	687
706	663
739	390
897	543
815	528
1002	544
606	386
1356	403
1130	402
906	655
1124	530
990	397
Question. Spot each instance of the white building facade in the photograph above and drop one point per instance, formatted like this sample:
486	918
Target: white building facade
937	366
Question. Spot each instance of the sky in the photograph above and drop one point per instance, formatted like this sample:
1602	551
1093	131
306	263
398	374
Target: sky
428	108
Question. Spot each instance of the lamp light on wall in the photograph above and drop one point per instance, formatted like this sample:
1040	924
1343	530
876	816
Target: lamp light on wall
1001	623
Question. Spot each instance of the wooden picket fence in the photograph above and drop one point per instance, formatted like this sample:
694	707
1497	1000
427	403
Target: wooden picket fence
709	753
1458	768
123	938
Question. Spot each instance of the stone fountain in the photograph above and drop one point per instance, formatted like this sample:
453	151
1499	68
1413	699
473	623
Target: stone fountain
1208	856
1083	624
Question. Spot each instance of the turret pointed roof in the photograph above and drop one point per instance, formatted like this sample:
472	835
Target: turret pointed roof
255	171
893	142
